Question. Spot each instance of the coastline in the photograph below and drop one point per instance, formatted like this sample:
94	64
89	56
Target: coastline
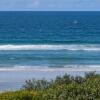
13	79
51	69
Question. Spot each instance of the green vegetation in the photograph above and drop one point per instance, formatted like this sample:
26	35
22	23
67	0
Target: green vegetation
62	88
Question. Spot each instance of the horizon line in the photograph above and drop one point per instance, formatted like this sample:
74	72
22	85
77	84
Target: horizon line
49	11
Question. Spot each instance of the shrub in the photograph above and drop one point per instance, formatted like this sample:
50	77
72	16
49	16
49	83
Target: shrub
62	88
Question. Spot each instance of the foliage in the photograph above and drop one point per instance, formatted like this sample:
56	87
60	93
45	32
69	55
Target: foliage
62	88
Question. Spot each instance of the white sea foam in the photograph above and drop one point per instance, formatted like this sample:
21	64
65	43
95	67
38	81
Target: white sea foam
28	67
66	68
88	47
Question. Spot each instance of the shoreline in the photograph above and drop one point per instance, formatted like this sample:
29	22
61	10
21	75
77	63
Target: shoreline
11	80
51	69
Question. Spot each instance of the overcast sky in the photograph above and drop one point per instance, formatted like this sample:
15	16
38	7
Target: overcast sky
51	5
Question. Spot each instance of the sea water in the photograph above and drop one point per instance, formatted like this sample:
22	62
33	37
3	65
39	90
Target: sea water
49	39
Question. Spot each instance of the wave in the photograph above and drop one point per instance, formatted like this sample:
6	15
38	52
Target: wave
52	67
45	68
88	47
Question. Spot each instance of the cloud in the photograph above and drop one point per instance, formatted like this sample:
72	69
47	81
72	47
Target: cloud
49	5
34	4
19	4
74	5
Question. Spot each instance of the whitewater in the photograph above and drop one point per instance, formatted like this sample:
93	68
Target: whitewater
88	47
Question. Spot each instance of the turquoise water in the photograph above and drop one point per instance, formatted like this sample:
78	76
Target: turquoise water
49	39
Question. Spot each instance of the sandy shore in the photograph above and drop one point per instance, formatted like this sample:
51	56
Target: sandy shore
13	79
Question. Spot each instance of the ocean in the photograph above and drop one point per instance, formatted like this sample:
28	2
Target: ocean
47	44
42	40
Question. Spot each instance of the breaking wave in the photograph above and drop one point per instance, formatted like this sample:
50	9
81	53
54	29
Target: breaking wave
46	68
51	47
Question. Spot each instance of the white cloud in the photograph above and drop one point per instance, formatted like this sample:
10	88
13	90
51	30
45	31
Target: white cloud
49	5
33	4
36	3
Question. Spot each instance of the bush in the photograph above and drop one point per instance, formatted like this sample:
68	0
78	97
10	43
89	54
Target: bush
36	84
62	88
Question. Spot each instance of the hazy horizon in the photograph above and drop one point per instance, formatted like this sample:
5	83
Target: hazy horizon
49	5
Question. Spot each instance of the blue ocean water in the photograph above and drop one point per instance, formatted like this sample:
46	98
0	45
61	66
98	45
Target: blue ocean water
49	39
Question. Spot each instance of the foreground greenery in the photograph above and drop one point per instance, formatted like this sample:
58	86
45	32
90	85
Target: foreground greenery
62	88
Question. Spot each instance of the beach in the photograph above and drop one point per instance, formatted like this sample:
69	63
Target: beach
14	79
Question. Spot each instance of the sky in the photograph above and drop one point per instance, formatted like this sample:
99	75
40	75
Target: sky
49	5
